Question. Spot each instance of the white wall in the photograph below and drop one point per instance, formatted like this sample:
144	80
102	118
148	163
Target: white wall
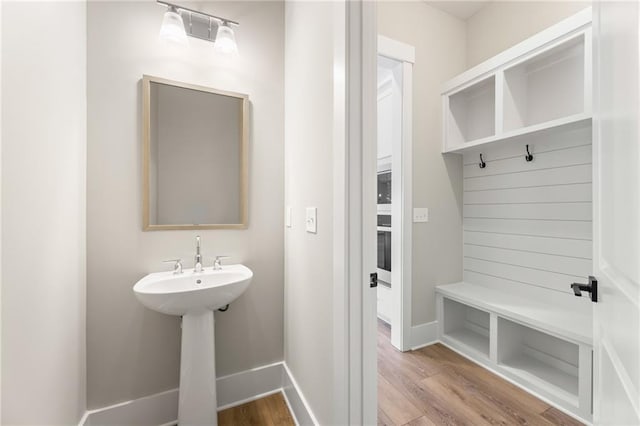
43	216
132	351
439	39
309	183
502	24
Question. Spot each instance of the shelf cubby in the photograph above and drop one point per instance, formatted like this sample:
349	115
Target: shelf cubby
541	84
539	359
546	87
472	112
467	326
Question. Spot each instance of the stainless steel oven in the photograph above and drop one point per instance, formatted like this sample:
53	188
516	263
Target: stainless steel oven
384	248
384	188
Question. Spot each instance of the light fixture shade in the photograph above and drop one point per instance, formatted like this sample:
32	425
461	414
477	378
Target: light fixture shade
226	40
172	27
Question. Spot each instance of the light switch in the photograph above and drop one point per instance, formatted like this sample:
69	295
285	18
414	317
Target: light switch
420	214
287	216
312	220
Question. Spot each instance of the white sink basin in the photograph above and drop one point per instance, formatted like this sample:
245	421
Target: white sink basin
189	292
195	296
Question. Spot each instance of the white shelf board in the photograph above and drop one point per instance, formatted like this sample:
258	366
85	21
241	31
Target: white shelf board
471	339
566	123
544	376
545	317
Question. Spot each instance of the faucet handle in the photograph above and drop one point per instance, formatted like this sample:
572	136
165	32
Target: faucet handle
177	267
217	263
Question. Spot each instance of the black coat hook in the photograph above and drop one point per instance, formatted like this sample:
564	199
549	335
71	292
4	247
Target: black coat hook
482	164
528	157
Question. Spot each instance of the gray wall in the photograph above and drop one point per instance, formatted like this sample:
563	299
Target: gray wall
502	24
439	39
309	183
43	212
132	351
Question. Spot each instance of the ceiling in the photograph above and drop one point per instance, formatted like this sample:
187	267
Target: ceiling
460	9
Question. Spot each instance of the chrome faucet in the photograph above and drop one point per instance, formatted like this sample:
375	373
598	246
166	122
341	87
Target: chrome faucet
217	263
198	259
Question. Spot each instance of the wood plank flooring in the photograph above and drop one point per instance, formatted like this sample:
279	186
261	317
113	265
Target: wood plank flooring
271	410
428	387
436	386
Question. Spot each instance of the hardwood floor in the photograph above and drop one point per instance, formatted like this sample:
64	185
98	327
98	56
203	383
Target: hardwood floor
271	410
436	386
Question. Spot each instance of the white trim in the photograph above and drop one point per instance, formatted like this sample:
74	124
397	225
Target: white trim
296	401
403	209
355	363
424	335
237	388
396	50
341	288
155	409
233	390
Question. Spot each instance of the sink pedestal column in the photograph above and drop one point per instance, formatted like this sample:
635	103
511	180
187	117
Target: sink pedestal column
198	404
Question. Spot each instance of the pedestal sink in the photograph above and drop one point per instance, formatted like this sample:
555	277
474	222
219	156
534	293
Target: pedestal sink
195	295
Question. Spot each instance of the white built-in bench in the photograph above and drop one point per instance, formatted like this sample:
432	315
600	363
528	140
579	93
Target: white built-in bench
543	348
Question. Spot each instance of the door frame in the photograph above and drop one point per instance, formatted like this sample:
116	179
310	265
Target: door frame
401	213
354	235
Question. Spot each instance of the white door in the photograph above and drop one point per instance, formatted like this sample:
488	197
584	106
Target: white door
616	214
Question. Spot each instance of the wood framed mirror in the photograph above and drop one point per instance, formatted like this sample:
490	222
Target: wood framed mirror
195	156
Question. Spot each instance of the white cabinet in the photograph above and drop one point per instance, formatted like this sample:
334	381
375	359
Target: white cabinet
541	84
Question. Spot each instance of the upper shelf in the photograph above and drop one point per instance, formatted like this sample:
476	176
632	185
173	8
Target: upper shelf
539	85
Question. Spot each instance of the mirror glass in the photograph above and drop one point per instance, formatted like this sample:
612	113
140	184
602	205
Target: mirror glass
195	164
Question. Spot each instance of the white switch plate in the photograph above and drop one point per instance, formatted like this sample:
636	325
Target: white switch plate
287	216
311	220
420	214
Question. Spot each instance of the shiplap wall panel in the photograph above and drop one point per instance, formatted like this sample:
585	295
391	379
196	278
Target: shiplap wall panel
561	158
549	262
581	173
577	192
539	211
535	244
528	225
547	228
536	277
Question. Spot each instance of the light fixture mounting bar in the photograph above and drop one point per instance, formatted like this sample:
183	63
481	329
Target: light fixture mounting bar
186	9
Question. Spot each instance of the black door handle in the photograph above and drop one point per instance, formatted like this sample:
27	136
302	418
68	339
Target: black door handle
592	288
373	279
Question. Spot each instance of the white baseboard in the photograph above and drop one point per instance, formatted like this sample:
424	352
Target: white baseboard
161	409
153	410
296	401
424	334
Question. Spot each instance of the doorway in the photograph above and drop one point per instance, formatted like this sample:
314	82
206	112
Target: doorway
394	200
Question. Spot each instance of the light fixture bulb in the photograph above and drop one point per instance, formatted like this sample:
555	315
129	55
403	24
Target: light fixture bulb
226	40
172	27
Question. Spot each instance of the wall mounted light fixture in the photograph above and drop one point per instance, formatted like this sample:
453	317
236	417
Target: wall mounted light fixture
180	22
